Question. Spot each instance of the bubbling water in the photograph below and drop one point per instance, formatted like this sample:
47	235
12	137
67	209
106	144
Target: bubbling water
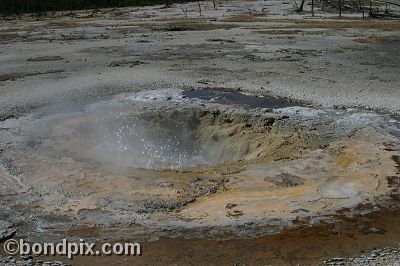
138	143
129	136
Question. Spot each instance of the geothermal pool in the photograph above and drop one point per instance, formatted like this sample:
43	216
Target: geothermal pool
177	159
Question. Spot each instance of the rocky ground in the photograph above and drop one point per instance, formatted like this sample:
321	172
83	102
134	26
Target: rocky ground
384	256
309	175
29	261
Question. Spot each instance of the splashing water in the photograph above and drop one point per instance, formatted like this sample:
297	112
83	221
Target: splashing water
135	142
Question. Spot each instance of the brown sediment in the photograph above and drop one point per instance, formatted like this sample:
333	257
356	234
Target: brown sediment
346	235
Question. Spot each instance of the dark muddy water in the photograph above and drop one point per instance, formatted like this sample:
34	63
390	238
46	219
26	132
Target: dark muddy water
236	98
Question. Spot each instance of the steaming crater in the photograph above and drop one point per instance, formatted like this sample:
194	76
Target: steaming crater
197	163
134	137
146	140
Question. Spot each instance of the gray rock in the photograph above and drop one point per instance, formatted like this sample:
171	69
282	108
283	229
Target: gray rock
6	230
266	110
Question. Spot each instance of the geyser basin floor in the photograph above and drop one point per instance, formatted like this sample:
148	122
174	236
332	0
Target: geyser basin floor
157	160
